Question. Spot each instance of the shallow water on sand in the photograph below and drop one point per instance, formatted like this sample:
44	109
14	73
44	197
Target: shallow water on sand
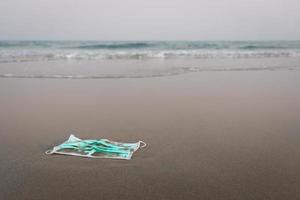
131	68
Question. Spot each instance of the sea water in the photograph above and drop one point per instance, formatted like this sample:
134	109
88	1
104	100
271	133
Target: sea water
140	59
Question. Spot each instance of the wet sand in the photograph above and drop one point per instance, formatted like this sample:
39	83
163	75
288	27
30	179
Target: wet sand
210	135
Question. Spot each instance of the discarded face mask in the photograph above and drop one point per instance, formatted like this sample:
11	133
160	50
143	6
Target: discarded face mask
101	148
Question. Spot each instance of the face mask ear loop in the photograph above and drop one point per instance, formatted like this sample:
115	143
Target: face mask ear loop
50	151
142	144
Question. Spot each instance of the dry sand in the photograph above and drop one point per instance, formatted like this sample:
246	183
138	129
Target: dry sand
210	135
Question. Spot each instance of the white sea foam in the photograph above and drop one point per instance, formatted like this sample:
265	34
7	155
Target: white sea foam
49	55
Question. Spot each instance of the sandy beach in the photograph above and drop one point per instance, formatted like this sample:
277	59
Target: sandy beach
210	135
207	93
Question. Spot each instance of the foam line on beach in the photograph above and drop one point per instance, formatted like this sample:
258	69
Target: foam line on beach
173	72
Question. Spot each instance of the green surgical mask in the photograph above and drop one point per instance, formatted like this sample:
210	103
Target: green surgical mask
101	148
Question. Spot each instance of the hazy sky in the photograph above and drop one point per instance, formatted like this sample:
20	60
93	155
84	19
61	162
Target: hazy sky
150	19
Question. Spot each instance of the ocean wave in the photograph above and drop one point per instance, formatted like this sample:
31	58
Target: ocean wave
26	51
163	45
128	45
253	47
28	44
